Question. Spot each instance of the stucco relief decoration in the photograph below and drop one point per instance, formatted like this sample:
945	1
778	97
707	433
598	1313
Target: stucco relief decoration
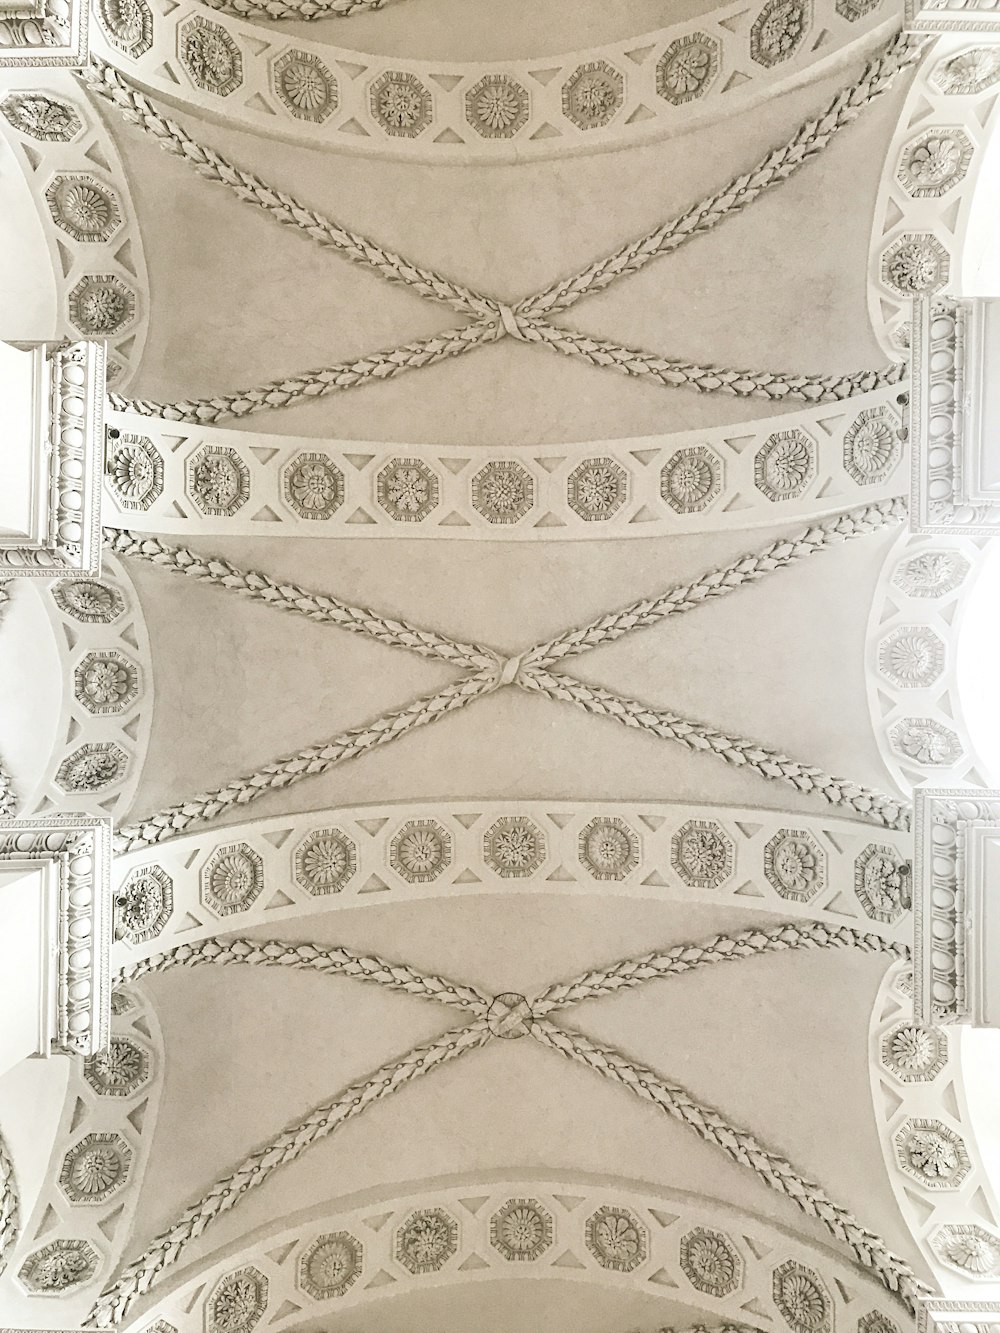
59	1266
232	879
932	1154
101	305
313	486
401	104
969	1249
83	208
934	162
43	33
134	470
326	861
593	95
873	446
688	68
120	1070
238	1303
795	864
702	854
331	1265
711	1262
210	56
522	1230
143	905
609	848
407	490
785	465
42	117
970	71
427	1240
218	481
779	29
420	851
95	1168
497	106
882	882
802	1299
503	492
914	1053
514	847
306	86
617	1239
128	24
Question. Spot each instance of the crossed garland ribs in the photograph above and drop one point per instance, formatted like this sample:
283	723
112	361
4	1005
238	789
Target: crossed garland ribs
528	320
9	1206
507	1016
533	670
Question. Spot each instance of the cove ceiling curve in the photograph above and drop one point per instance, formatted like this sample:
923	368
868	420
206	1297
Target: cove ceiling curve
509	765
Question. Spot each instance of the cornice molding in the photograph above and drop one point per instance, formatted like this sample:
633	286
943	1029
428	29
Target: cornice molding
42	34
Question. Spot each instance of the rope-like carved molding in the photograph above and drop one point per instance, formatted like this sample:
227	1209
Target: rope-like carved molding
80	1224
948	927
928	183
74	171
811	869
946	16
629	1236
626	92
68	389
159	474
527	320
928	1142
487	671
509	1016
10	1220
79	850
107	708
911	648
43	34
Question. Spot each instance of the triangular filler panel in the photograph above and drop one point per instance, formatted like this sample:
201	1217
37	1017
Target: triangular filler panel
359	460
544	76
49	1222
349	67
747	829
561	876
352	127
374	885
550	464
257	45
979	1204
137	1118
740	442
567	1260
360	516
448	135
447	81
984	110
846	1292
96	154
750	890
467	877
653	822
664	1219
189	922
262	453
266	515
194	1298
455	465
280	899
181	513
568	1201
842	905
286	1308
645	456
830	424
547	131
128	635
559	820
65	258
454	520
79	1112
165	72
656	881
949	215
891	1101
34	159
550	520
923	1209
759	1251
131	729
472	1263
737	502
735	80
662	1278
381	1279
640	54
278	836
473	1205
373	826
822	40
281	1252
257	103
108	1224
645	515
949	1101
829	487
142	1027
732	23
192	857
378	1221
74	729
124	256
893	215
641	112
756	1308
469	818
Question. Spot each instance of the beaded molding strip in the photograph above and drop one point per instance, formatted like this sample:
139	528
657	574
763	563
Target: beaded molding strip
43	34
180	479
528	319
928	1144
623	93
730	1264
75	174
509	1016
80	1224
197	887
928	182
484	670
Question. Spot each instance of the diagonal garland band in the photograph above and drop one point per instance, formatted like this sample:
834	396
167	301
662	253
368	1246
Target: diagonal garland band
528	671
526	320
10	1224
166	1249
295	9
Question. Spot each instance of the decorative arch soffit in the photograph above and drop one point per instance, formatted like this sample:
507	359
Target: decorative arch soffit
76	1233
75	174
690	481
627	92
635	1237
928	182
942	1188
244	876
103	730
910	660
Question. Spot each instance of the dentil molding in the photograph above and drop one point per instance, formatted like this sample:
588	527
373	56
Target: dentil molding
979	17
64	454
956	915
76	853
938	1315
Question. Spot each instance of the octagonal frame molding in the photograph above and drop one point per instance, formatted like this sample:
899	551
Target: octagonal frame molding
946	428
78	850
940	16
951	980
68	386
936	1314
40	34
